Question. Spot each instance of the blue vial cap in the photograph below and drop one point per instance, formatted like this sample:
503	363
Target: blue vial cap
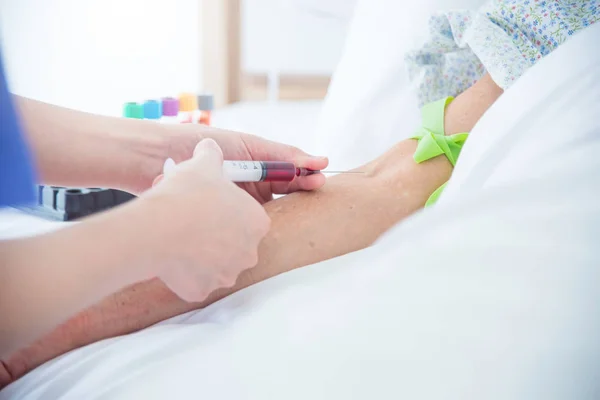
152	109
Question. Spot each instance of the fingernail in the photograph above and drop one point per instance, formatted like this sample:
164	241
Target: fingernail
157	180
322	158
168	166
206	144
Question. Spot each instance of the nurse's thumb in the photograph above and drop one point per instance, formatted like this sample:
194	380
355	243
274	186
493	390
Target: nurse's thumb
208	157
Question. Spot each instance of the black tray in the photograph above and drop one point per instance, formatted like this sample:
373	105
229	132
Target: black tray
69	204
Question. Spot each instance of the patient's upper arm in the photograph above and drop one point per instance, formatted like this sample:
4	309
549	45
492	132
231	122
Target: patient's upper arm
464	112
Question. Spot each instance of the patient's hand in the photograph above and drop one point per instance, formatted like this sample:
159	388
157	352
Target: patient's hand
306	228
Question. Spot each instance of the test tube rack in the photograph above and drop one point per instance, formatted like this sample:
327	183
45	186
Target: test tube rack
69	204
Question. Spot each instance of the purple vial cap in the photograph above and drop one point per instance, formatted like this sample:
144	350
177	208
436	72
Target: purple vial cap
170	107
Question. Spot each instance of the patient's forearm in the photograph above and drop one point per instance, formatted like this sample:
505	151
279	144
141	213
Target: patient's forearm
351	211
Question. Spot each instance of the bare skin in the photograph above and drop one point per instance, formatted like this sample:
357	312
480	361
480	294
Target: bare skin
304	229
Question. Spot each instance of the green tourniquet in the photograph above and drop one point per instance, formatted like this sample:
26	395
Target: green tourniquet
433	142
435	195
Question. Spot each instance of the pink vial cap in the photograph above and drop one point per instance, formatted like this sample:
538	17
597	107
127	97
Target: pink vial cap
170	107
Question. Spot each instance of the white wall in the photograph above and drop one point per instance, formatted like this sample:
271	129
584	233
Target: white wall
280	34
96	54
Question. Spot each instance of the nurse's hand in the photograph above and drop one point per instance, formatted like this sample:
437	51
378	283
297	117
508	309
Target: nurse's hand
241	146
210	227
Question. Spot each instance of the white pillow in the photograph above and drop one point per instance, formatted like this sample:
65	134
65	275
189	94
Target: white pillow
340	10
497	153
368	106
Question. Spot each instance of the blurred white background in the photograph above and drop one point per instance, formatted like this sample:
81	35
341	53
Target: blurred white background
289	36
94	55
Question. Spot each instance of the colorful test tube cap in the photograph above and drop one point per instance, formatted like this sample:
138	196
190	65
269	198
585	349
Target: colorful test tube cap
188	102
170	107
133	110
206	102
152	109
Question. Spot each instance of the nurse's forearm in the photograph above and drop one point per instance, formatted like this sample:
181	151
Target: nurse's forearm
73	148
46	279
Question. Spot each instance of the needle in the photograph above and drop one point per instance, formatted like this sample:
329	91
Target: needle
307	172
341	172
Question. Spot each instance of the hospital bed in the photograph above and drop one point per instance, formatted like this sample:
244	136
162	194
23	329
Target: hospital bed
491	294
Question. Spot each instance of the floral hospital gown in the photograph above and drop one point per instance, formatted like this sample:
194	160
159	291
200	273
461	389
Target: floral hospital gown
503	38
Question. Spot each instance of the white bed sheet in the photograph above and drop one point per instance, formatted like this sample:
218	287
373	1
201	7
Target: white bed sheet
492	294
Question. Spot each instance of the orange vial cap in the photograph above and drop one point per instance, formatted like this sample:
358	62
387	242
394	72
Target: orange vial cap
188	102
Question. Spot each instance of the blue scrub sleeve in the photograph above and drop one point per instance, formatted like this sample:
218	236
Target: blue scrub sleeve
17	178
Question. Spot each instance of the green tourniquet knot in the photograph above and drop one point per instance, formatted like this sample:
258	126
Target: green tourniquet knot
433	142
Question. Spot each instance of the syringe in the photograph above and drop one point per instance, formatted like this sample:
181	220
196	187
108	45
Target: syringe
260	171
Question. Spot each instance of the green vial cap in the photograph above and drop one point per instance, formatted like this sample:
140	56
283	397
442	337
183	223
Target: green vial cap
133	110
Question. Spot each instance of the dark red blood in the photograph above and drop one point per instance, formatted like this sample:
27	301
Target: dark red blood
279	171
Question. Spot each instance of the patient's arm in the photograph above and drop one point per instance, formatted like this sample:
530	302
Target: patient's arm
347	214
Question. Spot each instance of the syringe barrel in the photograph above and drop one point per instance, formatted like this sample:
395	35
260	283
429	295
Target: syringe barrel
279	171
253	171
259	171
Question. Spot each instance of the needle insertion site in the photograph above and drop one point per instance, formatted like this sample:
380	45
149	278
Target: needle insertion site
262	171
